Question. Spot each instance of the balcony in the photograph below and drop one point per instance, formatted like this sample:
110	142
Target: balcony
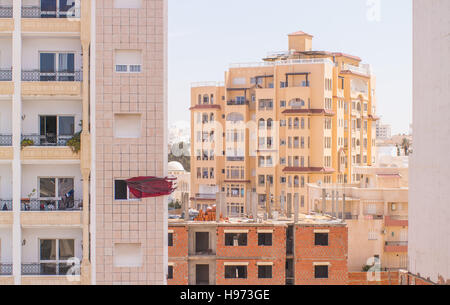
237	103
5	205
396	221
5	140
47	140
45	269
49	205
51	20
5	269
65	83
396	246
6	11
6	75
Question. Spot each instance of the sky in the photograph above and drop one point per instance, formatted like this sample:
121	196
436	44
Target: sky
205	36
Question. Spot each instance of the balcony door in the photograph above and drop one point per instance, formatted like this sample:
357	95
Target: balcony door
55	129
54	255
56	8
56	193
57	66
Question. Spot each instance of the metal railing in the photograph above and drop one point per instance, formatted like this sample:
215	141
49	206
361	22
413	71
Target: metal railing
5	140
58	76
396	243
5	75
36	12
5	205
49	140
45	268
349	216
237	103
48	205
283	63
6	11
6	269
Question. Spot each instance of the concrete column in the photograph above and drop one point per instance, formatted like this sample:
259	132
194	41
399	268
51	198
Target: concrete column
324	201
16	139
333	210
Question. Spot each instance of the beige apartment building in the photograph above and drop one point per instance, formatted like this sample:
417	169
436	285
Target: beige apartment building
376	212
82	109
297	117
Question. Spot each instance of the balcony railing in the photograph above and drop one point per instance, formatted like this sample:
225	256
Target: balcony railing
5	205
349	216
45	269
5	140
36	12
60	76
6	269
396	243
49	140
48	205
237	103
6	11
5	75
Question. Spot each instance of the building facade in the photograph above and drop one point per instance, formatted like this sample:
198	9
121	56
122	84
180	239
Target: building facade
429	230
297	117
82	108
312	251
376	213
383	131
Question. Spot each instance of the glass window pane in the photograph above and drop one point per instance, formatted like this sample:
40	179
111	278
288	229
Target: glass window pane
66	62
66	125
48	5
47	62
120	190
47	187
65	187
65	5
66	249
47	249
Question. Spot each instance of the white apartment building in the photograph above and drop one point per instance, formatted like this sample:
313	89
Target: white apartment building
429	209
83	107
383	131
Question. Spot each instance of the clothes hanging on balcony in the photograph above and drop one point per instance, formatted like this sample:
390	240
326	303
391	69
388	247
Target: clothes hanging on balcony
148	187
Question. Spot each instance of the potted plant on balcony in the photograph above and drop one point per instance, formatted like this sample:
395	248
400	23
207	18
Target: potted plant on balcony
26	142
75	142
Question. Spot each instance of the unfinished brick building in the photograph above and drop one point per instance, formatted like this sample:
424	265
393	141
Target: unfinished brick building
244	252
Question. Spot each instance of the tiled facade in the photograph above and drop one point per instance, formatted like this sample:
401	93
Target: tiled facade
142	221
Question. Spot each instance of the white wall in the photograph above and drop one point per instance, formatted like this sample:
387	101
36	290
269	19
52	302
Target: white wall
30	174
30	251
6	245
429	208
5	117
32	46
33	108
5	53
5	181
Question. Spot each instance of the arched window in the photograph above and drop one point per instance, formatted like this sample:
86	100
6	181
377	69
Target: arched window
296	123
269	123
199	99
296	181
212	99
206	99
261	124
303	123
211	117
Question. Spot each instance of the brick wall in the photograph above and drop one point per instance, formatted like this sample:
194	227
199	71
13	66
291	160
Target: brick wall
178	255
253	254
307	254
385	278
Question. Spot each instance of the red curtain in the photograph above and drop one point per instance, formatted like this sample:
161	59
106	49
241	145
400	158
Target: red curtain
147	187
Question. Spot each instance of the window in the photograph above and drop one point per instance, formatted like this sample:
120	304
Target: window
121	191
235	272
236	239
57	66
321	239
321	272
127	125
56	193
264	239
170	241
128	61
170	273
265	272
127	255
54	254
127	3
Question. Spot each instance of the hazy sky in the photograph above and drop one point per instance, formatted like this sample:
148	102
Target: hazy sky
205	36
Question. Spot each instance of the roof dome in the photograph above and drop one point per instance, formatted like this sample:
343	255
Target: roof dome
175	166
